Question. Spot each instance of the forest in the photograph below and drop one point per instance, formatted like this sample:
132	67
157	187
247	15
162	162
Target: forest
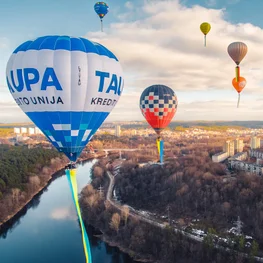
152	189
195	188
23	172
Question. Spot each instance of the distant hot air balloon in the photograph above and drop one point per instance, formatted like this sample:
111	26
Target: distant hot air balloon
205	28
158	104
101	8
237	51
239	86
67	86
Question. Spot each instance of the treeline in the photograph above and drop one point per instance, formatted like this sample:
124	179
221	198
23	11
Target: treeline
18	163
138	238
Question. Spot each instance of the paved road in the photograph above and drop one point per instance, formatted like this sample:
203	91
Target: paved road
135	214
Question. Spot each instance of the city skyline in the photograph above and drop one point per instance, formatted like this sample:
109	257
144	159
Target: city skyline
156	42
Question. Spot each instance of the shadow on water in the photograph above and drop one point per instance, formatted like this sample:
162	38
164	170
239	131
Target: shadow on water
15	220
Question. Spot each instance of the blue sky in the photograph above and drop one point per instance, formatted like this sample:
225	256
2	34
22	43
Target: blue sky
203	86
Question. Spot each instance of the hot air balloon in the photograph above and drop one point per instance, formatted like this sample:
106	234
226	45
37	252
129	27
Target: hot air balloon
237	51
101	8
205	28
67	86
239	86
158	104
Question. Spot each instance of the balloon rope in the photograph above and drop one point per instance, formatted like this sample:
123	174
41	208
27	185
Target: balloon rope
101	25
205	40
71	175
238	100
237	73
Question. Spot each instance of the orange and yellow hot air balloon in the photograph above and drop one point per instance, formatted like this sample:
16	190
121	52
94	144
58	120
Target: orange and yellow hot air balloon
239	86
205	28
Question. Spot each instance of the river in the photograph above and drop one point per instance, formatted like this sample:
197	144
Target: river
47	230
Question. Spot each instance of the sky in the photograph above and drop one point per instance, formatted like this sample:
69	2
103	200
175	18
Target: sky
156	42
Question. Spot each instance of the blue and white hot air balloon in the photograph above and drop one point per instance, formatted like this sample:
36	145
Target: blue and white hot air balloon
67	86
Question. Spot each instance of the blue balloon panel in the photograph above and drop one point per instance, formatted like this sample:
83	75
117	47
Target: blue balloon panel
69	132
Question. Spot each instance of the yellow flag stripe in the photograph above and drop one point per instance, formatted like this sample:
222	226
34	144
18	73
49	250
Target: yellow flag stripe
71	174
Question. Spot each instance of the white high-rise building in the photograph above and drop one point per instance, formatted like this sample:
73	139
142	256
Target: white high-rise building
38	131
254	142
229	147
17	130
118	130
23	130
31	131
239	145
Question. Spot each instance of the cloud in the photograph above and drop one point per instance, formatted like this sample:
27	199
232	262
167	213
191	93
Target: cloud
161	42
129	5
232	2
4	43
161	47
63	213
211	2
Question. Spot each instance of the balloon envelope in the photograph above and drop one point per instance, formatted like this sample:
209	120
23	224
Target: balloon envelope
205	28
240	84
101	9
237	51
67	86
158	104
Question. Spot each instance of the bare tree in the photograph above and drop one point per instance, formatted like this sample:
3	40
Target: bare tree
115	222
125	213
98	171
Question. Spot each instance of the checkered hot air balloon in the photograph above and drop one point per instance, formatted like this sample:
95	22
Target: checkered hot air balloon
158	104
101	8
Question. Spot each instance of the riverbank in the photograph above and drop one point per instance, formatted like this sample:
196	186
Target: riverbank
135	256
47	178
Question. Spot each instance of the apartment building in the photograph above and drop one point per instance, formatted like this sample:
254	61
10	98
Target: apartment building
254	142
239	145
247	167
241	156
219	157
229	147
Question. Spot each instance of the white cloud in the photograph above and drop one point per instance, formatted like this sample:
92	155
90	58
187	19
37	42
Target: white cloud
4	42
166	48
211	2
129	5
233	2
63	213
165	45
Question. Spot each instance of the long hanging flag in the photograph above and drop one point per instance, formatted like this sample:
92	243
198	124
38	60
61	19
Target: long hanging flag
160	144
161	150
71	175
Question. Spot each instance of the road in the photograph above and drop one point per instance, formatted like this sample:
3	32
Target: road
135	214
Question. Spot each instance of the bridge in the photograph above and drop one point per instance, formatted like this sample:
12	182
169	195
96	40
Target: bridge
117	150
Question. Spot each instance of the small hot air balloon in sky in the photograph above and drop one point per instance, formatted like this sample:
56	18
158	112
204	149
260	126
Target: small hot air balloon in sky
205	28
101	8
158	104
239	86
67	86
237	51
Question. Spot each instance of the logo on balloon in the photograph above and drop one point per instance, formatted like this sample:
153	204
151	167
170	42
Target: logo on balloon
242	84
29	76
